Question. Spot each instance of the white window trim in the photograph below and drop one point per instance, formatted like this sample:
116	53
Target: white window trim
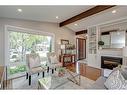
23	30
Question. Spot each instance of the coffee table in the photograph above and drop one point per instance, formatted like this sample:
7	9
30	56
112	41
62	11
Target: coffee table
54	81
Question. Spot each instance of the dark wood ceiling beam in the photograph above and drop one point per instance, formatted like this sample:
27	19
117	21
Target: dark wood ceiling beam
87	13
81	32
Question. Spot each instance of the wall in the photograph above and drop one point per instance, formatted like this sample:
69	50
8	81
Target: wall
60	32
121	25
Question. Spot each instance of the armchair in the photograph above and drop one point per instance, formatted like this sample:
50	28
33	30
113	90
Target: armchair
34	65
53	62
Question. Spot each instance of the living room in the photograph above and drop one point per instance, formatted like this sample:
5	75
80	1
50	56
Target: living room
87	43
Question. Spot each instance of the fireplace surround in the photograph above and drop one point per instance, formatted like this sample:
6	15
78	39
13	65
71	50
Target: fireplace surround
108	62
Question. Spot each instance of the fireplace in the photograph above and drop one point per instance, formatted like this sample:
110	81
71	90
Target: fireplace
110	62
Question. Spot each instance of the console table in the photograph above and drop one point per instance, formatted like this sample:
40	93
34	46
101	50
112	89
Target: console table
67	59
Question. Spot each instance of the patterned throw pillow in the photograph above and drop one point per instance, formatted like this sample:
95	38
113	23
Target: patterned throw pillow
116	81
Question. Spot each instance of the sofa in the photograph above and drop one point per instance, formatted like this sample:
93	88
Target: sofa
99	83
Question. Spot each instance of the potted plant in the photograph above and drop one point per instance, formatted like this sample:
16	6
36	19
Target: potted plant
100	43
61	72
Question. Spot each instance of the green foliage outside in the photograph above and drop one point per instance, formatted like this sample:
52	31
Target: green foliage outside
17	69
22	43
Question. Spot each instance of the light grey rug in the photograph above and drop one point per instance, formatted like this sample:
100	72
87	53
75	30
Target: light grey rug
22	83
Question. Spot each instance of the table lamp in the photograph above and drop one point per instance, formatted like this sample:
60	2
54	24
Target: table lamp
62	49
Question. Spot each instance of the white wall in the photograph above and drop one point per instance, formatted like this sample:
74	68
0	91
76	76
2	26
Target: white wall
60	32
111	52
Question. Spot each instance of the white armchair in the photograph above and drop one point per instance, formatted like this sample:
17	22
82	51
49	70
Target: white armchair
53	62
34	65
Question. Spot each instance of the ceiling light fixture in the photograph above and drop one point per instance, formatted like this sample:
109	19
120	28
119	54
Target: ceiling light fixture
76	24
57	17
114	11
19	10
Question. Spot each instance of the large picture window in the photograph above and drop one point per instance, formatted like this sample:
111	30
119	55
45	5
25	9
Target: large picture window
20	44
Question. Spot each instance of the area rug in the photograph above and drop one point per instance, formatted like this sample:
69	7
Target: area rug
22	83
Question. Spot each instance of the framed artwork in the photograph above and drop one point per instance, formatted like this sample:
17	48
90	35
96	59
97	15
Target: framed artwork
64	41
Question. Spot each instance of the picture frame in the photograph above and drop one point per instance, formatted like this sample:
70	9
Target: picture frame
64	42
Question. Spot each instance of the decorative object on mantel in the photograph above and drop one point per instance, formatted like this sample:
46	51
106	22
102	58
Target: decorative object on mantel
100	43
125	55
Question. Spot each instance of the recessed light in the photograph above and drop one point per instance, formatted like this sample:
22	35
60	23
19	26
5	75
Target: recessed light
57	17
76	24
114	11
19	10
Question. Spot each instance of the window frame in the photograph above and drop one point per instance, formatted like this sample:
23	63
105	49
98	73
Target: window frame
9	28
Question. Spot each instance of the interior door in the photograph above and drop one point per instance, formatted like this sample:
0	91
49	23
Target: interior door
81	48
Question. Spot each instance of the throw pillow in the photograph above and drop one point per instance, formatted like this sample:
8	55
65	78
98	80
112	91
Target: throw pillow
53	59
107	72
34	61
116	81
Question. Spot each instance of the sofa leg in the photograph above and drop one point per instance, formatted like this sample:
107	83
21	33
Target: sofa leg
55	69
52	71
30	80
26	75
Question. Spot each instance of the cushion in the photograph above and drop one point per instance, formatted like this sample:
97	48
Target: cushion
124	71
116	80
53	59
34	61
107	72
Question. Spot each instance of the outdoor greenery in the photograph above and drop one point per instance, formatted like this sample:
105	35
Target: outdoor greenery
17	69
22	44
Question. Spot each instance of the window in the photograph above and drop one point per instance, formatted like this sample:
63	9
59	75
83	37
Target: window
22	43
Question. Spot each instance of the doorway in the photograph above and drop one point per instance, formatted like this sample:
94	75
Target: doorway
80	48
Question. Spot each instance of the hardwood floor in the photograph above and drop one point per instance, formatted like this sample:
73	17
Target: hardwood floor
87	71
92	73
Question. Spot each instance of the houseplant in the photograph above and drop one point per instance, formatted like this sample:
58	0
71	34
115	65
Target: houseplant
100	43
61	72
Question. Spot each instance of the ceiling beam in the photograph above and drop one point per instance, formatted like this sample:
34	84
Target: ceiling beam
85	14
81	32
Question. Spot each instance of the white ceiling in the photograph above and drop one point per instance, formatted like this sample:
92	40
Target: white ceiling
102	17
42	13
48	14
